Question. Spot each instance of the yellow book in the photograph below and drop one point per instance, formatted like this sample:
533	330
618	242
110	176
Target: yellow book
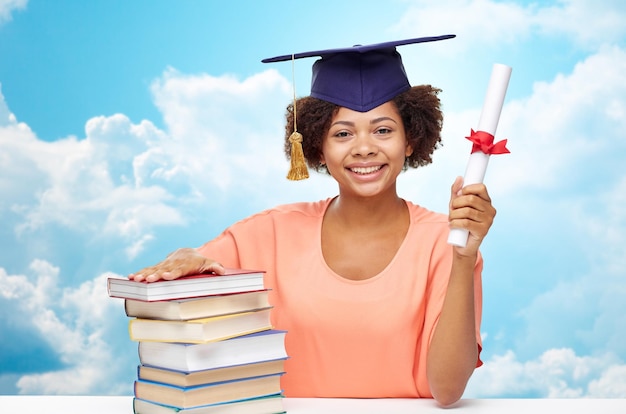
199	330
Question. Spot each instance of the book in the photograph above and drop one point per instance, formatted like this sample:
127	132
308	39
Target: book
247	349
212	329
190	379
264	405
196	308
214	393
234	281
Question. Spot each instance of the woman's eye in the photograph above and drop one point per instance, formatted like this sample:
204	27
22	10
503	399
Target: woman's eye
342	134
383	131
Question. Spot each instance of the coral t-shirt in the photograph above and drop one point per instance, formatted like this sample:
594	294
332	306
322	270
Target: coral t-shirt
346	338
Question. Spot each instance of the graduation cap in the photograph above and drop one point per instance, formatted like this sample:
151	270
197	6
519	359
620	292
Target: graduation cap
358	77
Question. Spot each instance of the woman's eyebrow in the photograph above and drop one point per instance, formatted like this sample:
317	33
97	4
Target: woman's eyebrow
373	121
347	123
381	119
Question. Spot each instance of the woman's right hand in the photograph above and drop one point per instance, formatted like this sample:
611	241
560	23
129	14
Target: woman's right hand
182	262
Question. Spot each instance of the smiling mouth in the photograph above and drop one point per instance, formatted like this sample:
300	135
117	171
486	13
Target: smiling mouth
366	170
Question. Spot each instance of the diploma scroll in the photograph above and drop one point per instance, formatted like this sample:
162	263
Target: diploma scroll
483	138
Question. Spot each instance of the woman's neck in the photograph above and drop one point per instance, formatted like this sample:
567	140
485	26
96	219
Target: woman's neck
360	211
361	236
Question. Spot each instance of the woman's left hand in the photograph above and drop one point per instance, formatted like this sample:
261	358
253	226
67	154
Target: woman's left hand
471	209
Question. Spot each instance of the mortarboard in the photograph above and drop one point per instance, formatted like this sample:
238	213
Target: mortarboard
358	77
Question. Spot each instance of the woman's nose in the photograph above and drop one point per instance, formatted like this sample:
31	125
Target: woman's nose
364	146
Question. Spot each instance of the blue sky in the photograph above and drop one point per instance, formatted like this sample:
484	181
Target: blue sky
128	129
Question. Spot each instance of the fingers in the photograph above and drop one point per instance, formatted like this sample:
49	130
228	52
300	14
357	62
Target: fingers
182	262
215	267
473	195
159	274
456	187
140	276
471	209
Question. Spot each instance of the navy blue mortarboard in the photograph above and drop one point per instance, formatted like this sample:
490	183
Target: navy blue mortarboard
359	77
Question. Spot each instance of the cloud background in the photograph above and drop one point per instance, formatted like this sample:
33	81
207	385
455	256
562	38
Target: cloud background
118	146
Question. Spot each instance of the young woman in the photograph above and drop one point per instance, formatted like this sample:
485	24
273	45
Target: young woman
376	303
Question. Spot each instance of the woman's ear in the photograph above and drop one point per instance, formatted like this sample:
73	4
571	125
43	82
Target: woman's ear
408	151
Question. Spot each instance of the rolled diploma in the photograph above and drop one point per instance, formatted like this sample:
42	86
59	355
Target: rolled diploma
488	122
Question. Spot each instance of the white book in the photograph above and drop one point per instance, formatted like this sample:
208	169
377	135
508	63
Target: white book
247	349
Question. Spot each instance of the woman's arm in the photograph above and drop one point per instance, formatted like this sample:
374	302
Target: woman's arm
453	350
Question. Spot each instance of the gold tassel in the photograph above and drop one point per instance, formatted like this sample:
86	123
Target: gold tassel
298	169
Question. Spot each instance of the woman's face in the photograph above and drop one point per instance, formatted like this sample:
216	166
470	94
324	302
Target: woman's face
365	151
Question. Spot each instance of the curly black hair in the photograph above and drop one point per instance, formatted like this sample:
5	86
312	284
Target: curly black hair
419	108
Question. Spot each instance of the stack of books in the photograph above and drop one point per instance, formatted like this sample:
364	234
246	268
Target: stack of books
206	344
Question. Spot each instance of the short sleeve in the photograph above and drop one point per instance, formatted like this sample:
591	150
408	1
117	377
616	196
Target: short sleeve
222	249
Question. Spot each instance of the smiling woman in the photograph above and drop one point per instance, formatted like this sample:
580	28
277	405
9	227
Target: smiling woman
366	265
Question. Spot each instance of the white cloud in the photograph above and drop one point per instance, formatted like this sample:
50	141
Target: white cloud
587	185
611	384
7	7
483	22
556	373
6	116
87	185
15	161
78	323
590	23
587	23
224	131
589	309
586	312
604	219
227	136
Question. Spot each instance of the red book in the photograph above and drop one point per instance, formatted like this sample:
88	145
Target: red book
233	281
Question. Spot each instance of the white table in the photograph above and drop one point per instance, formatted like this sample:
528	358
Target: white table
11	404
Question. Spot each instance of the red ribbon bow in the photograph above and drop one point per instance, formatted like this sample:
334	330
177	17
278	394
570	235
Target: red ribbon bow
483	141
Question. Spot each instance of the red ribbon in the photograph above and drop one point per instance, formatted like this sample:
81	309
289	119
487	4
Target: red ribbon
483	141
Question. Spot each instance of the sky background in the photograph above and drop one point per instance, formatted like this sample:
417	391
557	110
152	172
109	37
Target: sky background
131	128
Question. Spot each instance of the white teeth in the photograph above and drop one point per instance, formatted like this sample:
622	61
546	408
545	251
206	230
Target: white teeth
365	170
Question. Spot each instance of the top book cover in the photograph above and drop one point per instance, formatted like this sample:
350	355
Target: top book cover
193	286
